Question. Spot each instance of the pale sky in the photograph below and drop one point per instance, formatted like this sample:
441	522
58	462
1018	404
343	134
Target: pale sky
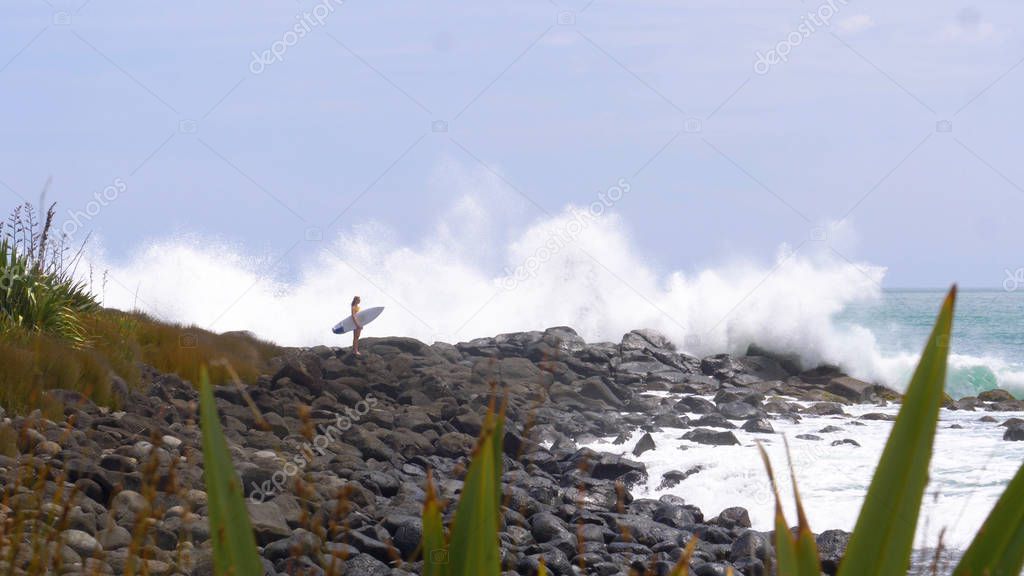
902	121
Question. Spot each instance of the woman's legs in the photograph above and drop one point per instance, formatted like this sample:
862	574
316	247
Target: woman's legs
355	340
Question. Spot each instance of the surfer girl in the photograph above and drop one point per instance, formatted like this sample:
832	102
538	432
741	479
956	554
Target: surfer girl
359	327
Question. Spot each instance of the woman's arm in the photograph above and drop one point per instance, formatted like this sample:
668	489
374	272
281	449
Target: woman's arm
355	318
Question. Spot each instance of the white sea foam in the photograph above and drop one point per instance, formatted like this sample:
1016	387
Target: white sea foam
969	471
572	269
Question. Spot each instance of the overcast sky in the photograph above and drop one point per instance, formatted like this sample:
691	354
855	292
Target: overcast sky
738	126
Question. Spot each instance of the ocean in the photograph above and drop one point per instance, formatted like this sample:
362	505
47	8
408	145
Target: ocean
987	348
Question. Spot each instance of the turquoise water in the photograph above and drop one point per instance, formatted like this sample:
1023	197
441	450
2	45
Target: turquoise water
988	335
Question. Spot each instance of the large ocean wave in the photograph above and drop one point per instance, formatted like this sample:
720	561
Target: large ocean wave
576	268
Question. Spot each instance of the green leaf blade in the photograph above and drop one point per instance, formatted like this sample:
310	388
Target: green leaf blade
234	545
435	554
883	539
474	549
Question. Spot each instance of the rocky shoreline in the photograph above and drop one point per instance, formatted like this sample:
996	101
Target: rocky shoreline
334	452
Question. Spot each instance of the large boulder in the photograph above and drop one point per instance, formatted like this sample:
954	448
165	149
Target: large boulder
645	339
995	395
1014	433
605	466
852	389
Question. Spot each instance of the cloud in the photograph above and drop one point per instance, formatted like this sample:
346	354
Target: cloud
856	23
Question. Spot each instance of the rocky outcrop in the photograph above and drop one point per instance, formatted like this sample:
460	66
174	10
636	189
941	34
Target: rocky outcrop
333	453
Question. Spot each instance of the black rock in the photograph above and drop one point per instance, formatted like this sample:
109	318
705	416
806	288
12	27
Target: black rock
824	409
643	445
735	517
712	437
878	416
714	421
695	404
751	544
845	441
1014	433
831	549
759	426
675	515
673	477
739	411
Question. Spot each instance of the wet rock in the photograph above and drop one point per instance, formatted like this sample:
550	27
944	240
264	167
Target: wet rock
711	437
995	395
1014	433
831	549
852	389
734	517
695	404
824	409
739	411
759	426
751	544
878	416
714	421
643	445
849	441
673	477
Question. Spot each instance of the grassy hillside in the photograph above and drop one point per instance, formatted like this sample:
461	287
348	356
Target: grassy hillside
54	333
117	343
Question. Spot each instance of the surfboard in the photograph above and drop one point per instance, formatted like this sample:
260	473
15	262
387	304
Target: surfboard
365	317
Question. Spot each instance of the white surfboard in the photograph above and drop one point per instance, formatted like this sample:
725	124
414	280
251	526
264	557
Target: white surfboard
365	317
